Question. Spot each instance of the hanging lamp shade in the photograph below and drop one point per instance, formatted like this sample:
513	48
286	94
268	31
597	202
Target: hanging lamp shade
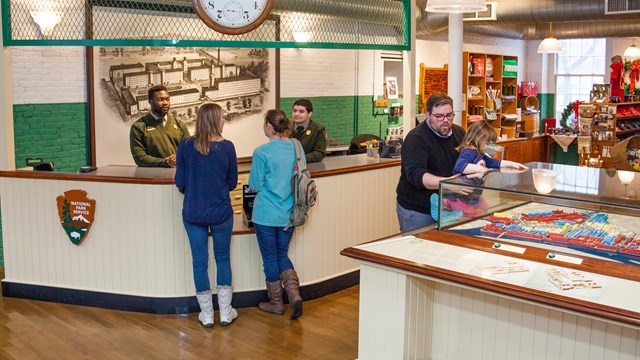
456	6
632	51
550	45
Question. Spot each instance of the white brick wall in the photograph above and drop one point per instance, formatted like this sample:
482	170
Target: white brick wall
317	72
434	50
58	74
45	74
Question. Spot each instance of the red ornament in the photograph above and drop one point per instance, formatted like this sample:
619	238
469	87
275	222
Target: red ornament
634	75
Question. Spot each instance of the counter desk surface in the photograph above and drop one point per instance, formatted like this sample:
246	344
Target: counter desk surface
137	249
334	165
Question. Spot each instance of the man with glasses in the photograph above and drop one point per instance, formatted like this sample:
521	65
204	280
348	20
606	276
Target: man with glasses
428	156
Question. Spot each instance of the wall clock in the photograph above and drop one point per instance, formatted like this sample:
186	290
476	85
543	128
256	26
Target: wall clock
233	17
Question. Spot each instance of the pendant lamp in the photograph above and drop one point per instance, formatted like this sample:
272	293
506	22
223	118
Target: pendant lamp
46	20
550	45
632	51
456	6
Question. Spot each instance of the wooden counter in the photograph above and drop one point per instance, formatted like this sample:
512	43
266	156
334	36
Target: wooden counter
524	150
130	174
136	255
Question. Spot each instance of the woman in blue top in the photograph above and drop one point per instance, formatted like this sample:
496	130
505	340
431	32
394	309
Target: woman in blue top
206	170
472	160
271	170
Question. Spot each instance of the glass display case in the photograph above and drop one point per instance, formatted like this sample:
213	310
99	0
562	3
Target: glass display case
535	264
587	211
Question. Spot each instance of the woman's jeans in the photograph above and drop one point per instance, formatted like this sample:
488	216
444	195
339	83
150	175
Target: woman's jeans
199	241
274	247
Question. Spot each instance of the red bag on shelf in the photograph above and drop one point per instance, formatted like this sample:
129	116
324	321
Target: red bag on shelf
479	70
529	88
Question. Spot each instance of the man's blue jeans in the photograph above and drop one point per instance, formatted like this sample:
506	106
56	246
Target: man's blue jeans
409	219
199	242
274	247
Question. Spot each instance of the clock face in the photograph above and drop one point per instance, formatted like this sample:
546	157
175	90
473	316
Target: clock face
233	16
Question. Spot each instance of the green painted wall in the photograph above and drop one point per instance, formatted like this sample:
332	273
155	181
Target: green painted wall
547	110
338	114
547	105
569	158
54	132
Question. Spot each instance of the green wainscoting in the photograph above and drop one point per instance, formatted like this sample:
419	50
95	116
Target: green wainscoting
339	114
54	132
547	110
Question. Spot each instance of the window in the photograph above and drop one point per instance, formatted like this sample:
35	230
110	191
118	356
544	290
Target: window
580	65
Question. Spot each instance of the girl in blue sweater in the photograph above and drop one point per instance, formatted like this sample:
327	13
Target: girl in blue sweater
206	170
472	160
271	170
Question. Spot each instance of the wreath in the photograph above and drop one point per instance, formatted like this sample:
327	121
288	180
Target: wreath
568	110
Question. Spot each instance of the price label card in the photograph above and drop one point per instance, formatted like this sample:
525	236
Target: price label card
509	248
565	258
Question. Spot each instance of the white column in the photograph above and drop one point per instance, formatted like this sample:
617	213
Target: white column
455	64
7	148
410	82
548	85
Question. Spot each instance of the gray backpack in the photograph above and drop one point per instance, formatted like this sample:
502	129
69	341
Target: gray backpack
303	187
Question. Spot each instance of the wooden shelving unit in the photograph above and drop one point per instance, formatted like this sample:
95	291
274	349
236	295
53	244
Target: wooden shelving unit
615	122
477	76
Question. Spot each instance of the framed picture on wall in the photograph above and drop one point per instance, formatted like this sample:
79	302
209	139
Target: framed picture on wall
392	87
242	81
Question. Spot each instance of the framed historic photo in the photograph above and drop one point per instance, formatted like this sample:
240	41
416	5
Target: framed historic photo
241	80
392	87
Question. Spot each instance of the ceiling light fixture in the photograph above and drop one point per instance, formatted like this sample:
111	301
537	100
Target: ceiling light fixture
550	45
46	20
632	51
301	36
456	6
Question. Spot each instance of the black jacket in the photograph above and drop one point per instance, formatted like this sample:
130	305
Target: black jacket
423	151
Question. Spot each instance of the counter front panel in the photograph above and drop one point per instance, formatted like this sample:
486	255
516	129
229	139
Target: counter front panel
137	257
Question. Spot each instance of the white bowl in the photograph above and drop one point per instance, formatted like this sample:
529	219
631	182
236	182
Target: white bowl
544	180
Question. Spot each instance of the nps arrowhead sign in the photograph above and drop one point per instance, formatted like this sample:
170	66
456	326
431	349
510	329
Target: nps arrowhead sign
76	213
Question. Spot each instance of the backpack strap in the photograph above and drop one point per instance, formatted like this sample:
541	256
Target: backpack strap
300	165
297	146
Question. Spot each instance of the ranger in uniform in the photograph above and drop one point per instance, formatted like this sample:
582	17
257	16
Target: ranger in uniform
312	134
154	138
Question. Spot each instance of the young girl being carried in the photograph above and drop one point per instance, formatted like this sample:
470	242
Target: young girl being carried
472	160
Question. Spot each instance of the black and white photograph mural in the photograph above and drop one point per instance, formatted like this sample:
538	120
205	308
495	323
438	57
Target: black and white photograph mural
240	80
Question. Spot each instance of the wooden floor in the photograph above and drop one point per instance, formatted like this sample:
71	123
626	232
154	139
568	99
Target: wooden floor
42	330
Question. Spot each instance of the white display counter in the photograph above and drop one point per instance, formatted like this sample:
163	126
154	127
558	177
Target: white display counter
136	255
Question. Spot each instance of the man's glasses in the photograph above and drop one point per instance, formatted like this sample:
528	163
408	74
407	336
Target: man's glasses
441	117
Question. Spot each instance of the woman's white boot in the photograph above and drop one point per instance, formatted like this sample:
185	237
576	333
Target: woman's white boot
227	313
206	308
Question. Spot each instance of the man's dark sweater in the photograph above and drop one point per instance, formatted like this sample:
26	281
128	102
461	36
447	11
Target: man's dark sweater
425	152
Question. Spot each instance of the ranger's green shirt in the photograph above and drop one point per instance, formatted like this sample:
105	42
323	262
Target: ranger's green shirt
151	142
313	140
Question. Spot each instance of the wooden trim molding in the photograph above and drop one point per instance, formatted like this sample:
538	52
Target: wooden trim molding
164	176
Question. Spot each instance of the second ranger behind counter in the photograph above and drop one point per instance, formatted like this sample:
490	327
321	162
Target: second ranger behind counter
312	134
